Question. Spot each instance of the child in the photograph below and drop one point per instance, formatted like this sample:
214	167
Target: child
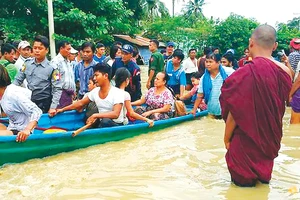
122	78
91	108
191	96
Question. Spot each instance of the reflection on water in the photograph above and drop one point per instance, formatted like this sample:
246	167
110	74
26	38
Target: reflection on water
181	162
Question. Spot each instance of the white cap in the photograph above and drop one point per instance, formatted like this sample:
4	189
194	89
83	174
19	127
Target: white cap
23	44
73	51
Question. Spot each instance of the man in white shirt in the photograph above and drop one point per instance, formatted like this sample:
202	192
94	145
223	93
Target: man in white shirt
190	66
108	99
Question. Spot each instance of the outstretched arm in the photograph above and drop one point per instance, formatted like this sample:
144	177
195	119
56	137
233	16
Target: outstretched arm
136	115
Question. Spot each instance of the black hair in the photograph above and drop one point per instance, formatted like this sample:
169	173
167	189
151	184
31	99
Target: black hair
43	40
113	50
16	43
118	43
166	77
7	48
88	44
121	75
99	45
179	54
229	56
196	75
156	42
61	44
103	68
215	57
207	50
4	77
193	49
215	48
135	51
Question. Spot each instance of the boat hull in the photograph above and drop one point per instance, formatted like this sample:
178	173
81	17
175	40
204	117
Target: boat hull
39	145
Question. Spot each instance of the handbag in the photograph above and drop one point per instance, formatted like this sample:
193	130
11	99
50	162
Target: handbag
180	109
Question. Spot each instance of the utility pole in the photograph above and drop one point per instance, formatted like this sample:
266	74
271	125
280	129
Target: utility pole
51	28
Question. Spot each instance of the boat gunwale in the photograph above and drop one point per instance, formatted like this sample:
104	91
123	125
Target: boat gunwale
100	131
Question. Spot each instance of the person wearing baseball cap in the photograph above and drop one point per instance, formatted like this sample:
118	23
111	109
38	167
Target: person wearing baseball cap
169	51
134	87
24	49
294	56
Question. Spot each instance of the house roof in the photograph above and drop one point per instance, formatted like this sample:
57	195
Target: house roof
138	40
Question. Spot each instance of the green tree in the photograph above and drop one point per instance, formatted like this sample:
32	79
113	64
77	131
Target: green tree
285	33
233	33
180	30
193	9
153	9
294	23
74	20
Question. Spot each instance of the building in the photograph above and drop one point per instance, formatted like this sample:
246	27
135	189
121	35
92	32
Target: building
141	43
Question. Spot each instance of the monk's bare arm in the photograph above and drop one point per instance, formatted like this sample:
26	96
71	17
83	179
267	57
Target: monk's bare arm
229	127
285	68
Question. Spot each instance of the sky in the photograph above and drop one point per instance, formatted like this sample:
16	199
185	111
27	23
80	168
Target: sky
264	11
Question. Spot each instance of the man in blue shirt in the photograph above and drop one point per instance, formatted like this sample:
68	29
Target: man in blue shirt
134	86
84	69
210	85
175	71
100	53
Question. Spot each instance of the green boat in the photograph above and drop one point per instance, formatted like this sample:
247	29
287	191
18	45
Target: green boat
40	145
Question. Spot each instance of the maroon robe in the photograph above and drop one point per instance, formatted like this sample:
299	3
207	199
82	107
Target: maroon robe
255	96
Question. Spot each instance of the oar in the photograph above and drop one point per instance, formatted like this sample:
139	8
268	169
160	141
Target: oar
81	129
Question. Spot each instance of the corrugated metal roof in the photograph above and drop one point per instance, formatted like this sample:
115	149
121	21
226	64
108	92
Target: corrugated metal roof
138	40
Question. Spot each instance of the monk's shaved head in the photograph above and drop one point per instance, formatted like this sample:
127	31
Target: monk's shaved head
264	36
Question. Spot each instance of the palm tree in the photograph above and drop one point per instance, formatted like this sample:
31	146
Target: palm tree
193	8
154	8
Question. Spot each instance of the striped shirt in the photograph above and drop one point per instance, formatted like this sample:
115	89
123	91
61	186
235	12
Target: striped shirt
294	59
19	108
83	74
213	105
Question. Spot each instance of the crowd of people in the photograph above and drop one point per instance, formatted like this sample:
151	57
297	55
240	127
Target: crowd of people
250	94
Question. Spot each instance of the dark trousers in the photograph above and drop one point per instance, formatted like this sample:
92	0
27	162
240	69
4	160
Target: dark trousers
105	122
43	104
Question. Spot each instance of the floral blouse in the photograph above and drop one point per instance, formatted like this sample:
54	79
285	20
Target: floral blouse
158	101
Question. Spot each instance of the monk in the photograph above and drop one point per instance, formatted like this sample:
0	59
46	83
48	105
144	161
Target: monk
253	104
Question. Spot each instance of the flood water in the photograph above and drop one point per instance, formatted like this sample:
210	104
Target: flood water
182	162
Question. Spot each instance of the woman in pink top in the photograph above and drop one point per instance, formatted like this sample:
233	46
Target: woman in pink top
159	100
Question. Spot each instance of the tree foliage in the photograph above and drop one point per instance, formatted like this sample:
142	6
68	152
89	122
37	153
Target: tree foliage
284	35
193	9
74	20
233	33
179	30
154	9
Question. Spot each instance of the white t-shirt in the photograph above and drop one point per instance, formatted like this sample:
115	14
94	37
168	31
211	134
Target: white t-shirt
189	66
126	98
115	96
